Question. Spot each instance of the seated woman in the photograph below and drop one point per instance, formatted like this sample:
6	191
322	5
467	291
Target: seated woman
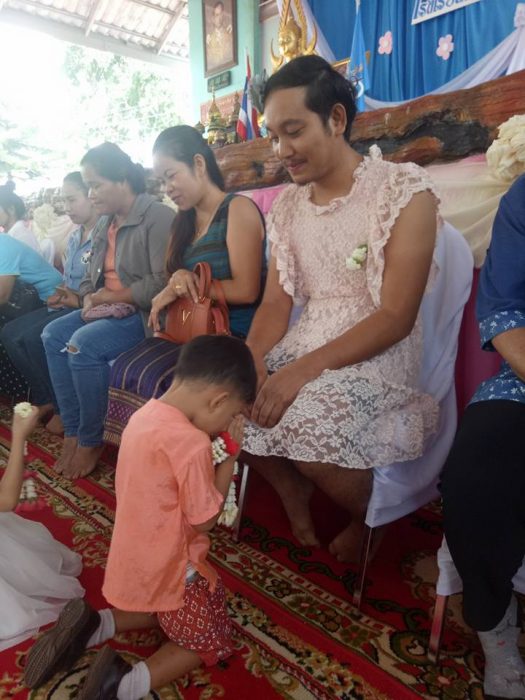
21	337
125	272
12	215
483	482
227	231
26	281
352	239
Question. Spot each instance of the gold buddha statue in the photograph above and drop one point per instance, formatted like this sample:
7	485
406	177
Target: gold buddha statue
292	38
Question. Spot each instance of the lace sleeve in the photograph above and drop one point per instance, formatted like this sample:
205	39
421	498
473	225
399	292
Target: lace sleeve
400	184
279	224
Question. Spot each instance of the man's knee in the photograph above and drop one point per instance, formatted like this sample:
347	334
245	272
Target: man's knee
312	470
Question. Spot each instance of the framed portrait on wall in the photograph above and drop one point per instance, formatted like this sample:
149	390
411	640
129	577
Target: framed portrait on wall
219	35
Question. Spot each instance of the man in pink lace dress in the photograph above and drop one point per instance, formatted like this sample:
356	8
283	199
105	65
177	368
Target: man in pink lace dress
352	240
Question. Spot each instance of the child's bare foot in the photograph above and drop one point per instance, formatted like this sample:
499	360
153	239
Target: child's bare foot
55	425
69	447
84	462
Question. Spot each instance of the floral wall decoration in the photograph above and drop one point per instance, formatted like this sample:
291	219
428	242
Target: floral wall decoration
385	43
445	47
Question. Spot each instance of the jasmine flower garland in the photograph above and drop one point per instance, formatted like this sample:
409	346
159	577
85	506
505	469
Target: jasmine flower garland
23	409
222	447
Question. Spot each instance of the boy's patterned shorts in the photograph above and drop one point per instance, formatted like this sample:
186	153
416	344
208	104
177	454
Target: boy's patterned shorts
202	625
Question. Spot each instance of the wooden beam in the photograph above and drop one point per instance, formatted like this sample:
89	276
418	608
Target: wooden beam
75	35
163	39
145	3
95	4
449	126
52	10
129	32
267	9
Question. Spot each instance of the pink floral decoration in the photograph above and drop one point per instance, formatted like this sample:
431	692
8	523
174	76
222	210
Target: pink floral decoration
446	46
385	43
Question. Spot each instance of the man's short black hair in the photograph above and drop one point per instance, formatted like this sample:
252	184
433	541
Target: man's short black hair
325	87
219	359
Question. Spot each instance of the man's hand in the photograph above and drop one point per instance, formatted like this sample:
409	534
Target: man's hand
276	394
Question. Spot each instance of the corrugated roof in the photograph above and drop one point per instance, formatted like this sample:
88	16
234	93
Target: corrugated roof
155	30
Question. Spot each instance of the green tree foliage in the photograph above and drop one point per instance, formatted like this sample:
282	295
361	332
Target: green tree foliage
119	99
18	155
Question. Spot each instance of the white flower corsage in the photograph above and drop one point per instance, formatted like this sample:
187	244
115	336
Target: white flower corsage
358	257
222	447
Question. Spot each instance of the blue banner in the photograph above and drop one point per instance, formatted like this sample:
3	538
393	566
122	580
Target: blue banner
426	9
357	65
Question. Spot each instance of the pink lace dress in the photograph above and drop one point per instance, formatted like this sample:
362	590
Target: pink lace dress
369	414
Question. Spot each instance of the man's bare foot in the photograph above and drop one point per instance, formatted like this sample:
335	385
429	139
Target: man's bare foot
84	462
346	546
69	447
296	502
55	425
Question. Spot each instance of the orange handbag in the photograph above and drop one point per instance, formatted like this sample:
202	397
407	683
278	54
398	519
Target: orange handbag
186	319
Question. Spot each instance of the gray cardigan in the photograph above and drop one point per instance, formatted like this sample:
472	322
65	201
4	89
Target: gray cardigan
140	252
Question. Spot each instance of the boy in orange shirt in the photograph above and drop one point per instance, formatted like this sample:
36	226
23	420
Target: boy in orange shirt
169	495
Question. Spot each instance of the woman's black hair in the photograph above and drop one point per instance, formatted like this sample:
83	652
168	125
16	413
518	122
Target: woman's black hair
111	162
183	143
325	87
75	179
219	359
10	200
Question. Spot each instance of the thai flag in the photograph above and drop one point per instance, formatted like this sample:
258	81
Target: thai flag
247	126
357	66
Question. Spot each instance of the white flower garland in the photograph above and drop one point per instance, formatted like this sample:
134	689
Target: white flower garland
23	409
230	510
358	257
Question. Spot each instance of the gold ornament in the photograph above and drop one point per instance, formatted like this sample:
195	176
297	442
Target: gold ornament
293	32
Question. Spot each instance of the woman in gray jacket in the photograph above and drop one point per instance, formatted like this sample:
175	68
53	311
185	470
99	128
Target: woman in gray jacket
125	271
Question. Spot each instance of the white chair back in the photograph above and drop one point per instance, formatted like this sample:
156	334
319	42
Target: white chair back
403	487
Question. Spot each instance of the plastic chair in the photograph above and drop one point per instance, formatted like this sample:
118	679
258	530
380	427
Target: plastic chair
449	583
404	487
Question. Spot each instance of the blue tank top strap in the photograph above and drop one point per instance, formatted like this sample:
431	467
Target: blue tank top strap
212	248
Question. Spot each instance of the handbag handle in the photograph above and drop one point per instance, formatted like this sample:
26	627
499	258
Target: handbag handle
206	283
203	272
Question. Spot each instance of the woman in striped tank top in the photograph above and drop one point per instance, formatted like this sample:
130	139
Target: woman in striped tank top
225	230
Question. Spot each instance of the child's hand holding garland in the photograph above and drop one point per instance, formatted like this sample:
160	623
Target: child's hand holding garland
227	445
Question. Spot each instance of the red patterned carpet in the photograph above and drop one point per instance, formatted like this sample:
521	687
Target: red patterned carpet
297	636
